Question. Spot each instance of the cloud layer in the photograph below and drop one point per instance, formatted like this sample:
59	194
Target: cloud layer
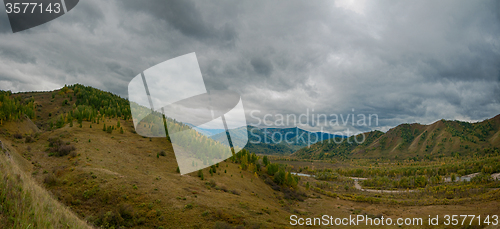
405	61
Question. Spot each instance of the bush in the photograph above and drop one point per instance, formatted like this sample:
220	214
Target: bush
55	142
293	194
60	148
273	185
126	211
163	153
200	174
64	150
18	136
211	183
235	192
50	179
29	139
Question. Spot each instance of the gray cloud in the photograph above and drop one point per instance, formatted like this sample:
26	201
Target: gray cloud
262	66
405	61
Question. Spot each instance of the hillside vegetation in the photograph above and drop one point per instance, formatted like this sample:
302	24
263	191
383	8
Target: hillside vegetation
24	204
88	155
277	141
414	142
80	146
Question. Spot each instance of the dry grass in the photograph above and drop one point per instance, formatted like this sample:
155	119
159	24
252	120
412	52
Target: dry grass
24	204
119	179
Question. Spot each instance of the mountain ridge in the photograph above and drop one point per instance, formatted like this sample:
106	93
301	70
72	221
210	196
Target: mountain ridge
416	141
281	141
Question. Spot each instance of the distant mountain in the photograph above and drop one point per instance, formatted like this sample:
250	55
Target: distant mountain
276	140
206	132
415	142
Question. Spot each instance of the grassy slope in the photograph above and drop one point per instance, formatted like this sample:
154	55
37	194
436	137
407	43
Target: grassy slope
118	178
115	173
24	203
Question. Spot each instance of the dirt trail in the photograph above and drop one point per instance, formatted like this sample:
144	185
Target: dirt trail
358	186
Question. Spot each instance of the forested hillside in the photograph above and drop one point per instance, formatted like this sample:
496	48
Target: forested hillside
278	141
415	142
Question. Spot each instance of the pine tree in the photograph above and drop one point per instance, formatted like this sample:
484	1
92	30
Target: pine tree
200	174
265	160
104	127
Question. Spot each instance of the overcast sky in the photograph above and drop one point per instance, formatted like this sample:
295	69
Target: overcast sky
407	61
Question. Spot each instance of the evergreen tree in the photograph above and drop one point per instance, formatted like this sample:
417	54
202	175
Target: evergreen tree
200	174
265	160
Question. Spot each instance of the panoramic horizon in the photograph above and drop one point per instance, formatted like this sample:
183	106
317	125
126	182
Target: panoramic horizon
249	114
407	63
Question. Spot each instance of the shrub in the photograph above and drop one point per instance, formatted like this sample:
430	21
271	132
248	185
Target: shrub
29	139
200	174
18	136
55	142
163	153
235	192
65	150
293	194
126	211
50	179
60	148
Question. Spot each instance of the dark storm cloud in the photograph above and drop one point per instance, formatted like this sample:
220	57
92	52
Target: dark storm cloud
262	66
184	16
404	61
17	55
